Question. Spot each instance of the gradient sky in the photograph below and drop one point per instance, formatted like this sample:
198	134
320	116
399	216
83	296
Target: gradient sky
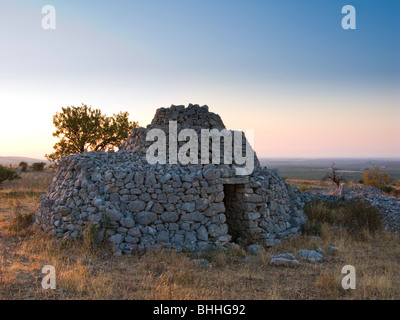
284	68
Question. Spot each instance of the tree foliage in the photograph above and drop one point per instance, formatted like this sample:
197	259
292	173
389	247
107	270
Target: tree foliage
82	129
8	174
23	165
376	179
38	166
334	176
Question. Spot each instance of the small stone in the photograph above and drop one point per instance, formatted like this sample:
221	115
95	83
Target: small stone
311	255
135	232
149	230
139	178
169	217
122	230
144	218
190	237
163	237
189	207
254	249
202	204
130	239
96	176
115	239
284	255
75	234
284	262
128	223
332	250
137	205
113	214
210	174
193	217
202	234
165	178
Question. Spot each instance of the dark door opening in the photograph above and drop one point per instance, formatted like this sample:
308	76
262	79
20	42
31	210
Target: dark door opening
233	212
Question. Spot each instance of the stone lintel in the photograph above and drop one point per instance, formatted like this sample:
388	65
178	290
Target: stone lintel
234	180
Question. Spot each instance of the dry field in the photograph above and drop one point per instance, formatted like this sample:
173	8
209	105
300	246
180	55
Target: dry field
306	185
85	270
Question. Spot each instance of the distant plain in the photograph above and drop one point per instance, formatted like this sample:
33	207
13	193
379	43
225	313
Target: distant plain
315	169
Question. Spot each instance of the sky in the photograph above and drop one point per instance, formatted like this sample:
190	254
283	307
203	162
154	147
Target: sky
285	69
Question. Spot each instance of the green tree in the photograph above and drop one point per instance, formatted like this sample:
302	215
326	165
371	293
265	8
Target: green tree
23	165
38	166
82	129
8	174
376	179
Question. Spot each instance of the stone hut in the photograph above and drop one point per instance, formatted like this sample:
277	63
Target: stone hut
136	205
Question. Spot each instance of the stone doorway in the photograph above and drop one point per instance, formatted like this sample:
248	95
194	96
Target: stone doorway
233	212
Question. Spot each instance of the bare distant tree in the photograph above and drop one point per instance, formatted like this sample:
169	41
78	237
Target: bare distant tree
334	176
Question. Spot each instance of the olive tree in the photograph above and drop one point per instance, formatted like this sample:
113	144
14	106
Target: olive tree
82	129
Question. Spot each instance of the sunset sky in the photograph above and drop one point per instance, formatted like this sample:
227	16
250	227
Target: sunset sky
286	69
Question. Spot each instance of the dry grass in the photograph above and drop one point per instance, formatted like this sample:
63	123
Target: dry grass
304	185
31	184
86	271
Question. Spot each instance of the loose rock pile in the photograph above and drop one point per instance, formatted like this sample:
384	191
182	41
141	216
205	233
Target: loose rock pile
135	205
287	259
389	206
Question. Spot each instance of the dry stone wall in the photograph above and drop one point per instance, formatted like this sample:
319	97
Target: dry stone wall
387	205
